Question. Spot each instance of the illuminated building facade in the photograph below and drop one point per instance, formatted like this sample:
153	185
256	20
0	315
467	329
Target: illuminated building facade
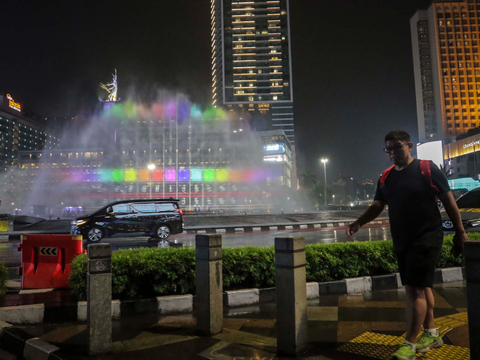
19	132
277	157
251	62
204	159
446	56
445	40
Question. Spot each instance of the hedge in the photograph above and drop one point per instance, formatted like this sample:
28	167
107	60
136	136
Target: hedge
149	272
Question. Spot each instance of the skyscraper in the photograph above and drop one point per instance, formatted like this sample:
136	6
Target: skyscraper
251	62
445	40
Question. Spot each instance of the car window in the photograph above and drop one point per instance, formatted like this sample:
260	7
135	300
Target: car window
143	207
166	207
121	209
469	200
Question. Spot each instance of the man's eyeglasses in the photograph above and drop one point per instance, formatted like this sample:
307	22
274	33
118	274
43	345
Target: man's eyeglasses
395	149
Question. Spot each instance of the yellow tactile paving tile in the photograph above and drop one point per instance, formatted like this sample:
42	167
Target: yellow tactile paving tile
449	322
348	330
379	346
446	352
375	345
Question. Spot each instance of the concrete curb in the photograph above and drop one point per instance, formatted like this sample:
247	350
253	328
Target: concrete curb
175	304
274	227
16	343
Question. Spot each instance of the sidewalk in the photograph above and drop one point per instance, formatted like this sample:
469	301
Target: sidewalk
340	327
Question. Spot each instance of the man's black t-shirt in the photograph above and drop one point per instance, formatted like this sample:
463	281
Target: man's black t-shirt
412	206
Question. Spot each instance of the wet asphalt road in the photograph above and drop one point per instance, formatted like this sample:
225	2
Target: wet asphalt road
12	257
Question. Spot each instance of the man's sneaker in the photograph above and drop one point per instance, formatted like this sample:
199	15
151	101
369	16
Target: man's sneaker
428	342
404	352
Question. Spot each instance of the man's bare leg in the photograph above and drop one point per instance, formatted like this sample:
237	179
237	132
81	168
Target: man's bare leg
415	310
429	322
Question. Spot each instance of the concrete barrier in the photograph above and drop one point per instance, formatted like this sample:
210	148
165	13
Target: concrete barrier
99	299
291	295
209	284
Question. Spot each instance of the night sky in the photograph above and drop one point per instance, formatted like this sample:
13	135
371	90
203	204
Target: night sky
352	66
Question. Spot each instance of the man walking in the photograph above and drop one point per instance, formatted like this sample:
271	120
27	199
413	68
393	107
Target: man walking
410	188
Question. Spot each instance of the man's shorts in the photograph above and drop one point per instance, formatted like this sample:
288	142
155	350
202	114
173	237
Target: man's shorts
416	264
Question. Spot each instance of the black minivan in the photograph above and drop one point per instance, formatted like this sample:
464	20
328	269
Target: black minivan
154	217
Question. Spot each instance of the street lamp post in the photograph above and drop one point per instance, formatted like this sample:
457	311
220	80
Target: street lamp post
150	167
324	161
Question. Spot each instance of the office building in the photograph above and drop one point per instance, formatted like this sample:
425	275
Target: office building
252	64
447	69
18	132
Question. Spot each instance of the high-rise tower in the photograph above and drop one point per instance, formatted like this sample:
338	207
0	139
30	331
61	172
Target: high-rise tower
251	62
445	40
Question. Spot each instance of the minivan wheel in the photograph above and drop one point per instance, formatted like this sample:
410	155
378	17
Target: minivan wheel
162	232
95	234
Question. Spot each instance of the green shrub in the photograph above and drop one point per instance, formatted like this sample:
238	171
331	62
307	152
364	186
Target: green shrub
3	278
143	272
248	267
327	262
149	272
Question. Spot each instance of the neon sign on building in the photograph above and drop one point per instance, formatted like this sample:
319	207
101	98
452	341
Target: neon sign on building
12	104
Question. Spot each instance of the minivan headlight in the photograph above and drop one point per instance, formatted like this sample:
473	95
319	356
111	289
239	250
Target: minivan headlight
80	222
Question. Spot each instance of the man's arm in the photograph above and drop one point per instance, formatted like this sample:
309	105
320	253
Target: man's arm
454	215
371	213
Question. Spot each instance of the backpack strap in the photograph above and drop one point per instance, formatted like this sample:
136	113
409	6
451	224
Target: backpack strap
427	172
384	176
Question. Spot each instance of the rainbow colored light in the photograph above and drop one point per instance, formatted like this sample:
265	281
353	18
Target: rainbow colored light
171	175
170	109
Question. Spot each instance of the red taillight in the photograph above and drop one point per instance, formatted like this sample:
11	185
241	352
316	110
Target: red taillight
180	211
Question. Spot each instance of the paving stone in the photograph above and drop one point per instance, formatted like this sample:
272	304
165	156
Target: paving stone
233	324
347	330
323	313
243	338
62	334
391	304
149	342
259	327
352	300
321	332
440	302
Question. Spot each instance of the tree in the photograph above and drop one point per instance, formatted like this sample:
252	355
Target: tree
308	181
